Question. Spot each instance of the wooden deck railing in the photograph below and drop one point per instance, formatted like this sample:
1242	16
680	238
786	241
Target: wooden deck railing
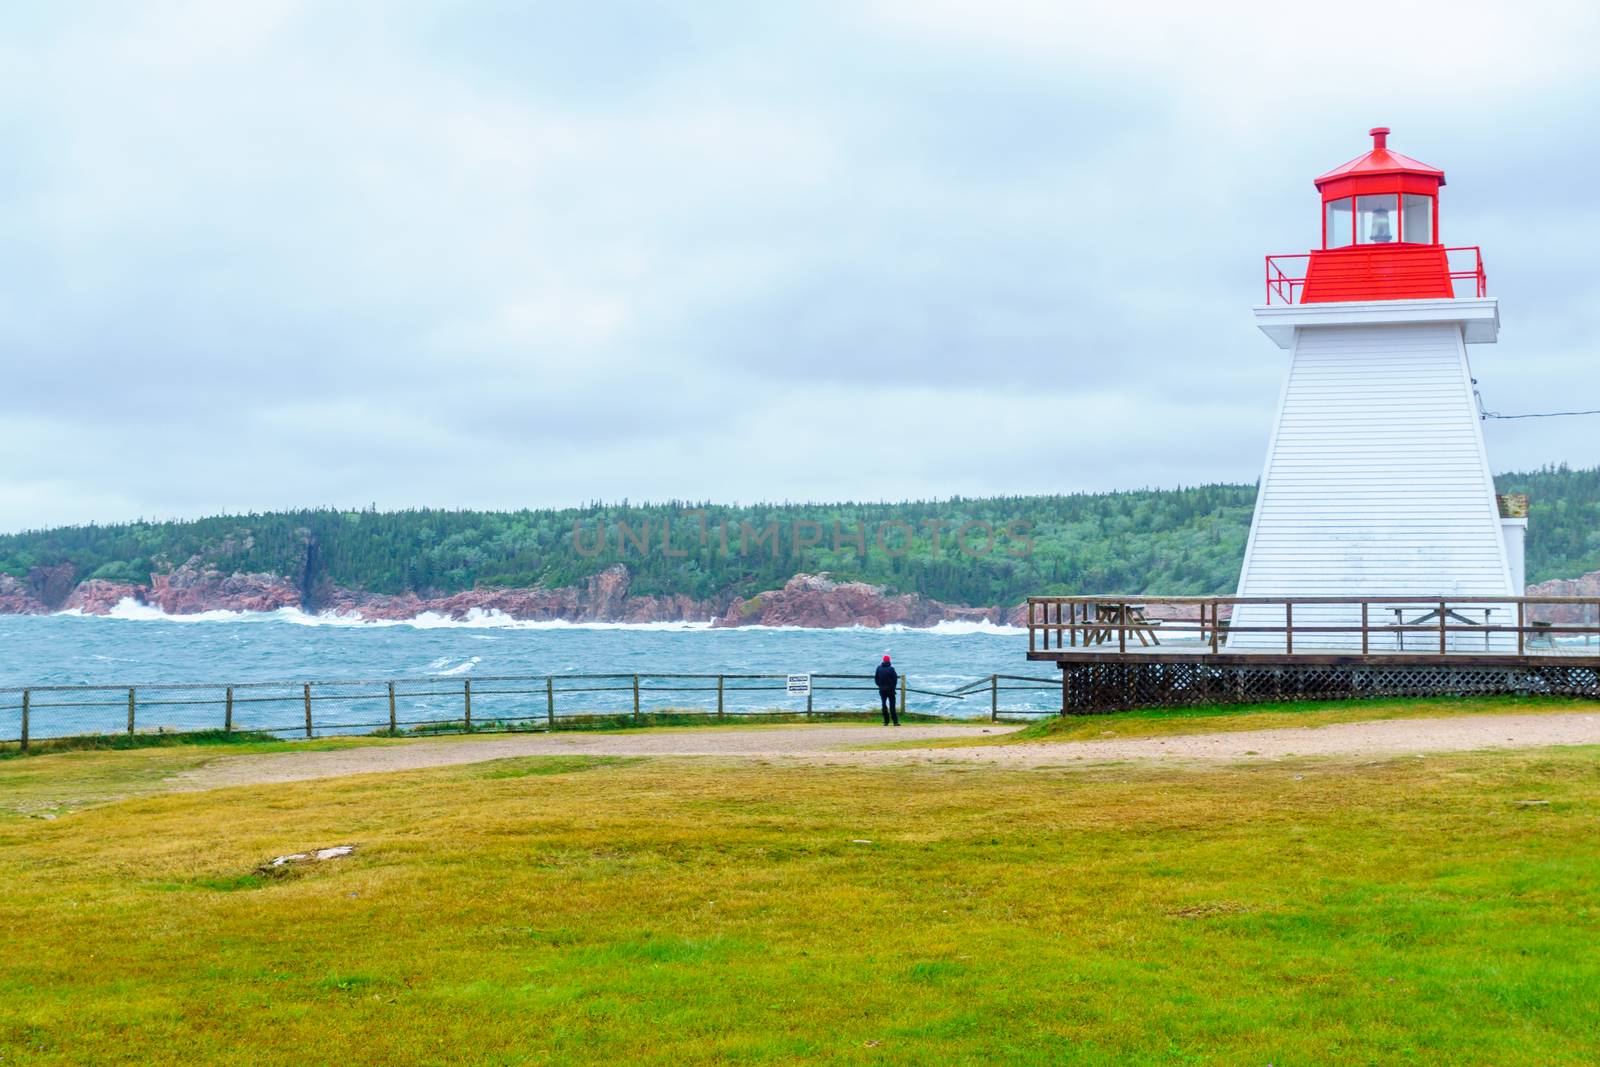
1533	626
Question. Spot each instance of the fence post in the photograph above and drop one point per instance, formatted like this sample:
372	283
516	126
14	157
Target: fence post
903	709
636	698
308	708
27	698
550	700
808	702
227	713
130	711
994	698
393	726
466	701
719	696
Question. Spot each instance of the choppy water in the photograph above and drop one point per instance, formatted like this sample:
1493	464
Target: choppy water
144	649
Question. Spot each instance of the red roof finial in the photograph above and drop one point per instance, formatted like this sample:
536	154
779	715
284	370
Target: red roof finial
1380	137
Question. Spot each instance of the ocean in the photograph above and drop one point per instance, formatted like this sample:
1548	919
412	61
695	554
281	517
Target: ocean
431	657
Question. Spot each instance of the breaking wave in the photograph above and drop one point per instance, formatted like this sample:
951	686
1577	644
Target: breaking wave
130	610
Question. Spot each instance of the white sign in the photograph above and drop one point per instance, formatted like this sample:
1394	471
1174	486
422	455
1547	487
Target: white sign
799	685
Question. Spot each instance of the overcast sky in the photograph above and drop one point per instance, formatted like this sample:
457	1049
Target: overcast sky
264	255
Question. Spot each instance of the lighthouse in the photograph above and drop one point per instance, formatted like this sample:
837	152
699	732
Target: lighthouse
1376	480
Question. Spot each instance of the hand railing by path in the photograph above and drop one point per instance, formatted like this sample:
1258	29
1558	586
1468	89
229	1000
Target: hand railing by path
434	704
1373	625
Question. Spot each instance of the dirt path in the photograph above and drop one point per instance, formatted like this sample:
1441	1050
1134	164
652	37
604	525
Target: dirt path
835	744
760	742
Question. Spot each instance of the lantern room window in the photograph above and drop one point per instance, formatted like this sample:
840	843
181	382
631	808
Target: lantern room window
1416	223
1338	228
1377	220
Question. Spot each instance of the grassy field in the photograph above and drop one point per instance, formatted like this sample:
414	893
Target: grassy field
558	909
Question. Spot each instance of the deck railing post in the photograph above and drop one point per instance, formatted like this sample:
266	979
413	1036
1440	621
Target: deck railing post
1441	627
719	696
1216	625
27	698
466	701
636	698
1122	628
1072	623
1365	633
227	712
308	708
130	710
550	701
1031	647
994	698
394	726
1522	608
1288	627
808	702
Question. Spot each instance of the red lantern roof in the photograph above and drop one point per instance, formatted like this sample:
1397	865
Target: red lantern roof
1380	162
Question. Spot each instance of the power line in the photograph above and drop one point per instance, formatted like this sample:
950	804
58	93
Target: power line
1484	413
1539	414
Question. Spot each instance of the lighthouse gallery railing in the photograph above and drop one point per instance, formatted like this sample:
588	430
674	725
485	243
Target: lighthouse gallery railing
1286	274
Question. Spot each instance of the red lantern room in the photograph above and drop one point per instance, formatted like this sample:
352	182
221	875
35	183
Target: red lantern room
1380	237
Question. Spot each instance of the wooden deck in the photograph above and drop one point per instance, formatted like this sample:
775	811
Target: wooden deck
1123	652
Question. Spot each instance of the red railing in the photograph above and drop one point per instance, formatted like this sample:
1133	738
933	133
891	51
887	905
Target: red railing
1475	272
1282	285
1286	275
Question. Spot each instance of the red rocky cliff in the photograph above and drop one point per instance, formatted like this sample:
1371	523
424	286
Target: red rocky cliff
818	601
805	600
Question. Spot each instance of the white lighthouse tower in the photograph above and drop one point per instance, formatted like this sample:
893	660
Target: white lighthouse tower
1376	480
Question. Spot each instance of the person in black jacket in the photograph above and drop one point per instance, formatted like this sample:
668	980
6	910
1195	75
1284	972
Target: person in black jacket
887	678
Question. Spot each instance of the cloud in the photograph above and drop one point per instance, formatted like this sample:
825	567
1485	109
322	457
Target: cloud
274	254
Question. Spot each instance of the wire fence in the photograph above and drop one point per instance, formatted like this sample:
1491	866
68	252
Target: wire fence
331	707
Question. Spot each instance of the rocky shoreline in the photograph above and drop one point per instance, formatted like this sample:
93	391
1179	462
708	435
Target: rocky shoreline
809	600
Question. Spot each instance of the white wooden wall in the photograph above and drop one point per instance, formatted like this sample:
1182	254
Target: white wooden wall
1376	480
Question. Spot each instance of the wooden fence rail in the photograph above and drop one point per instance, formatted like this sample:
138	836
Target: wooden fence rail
482	703
1375	624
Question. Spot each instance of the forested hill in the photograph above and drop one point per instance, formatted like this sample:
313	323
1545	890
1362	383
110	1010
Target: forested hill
1171	541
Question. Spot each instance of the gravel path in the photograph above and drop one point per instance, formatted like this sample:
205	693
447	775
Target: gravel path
839	744
758	742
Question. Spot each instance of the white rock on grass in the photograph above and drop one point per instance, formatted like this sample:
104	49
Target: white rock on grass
317	856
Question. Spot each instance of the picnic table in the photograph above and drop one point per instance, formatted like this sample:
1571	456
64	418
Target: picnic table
1450	615
1109	619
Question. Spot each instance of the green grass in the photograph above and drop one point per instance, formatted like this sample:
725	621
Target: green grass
698	911
63	775
122	742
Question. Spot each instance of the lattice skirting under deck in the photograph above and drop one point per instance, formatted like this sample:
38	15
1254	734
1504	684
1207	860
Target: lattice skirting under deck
1098	687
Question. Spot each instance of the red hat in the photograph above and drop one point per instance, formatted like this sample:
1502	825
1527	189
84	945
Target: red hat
886	659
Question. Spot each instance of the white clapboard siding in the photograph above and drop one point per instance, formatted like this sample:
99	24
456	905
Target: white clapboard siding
1376	483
